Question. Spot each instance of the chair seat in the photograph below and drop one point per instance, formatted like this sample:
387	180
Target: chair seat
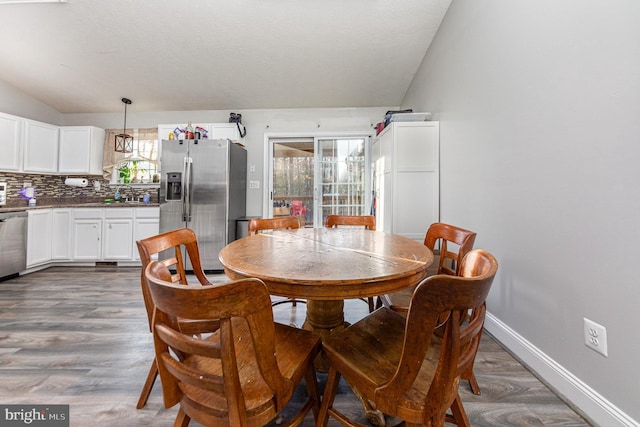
398	301
257	394
373	360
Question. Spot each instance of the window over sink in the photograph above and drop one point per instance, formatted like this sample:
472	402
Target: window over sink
137	167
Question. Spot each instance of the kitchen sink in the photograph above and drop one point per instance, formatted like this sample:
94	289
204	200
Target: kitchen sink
109	204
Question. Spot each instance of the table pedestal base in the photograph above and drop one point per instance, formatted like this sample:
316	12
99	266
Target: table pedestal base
325	318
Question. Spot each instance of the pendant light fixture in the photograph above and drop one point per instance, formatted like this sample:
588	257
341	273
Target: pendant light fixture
124	141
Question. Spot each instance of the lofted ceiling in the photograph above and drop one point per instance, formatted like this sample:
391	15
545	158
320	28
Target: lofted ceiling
83	56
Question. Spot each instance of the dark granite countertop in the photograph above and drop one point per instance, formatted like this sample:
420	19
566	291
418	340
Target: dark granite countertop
71	203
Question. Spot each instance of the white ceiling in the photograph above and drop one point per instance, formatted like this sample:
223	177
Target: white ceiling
171	55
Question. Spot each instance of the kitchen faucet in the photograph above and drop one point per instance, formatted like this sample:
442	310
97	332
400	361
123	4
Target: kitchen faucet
130	190
133	196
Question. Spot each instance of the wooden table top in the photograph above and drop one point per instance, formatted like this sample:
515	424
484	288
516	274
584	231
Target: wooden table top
328	264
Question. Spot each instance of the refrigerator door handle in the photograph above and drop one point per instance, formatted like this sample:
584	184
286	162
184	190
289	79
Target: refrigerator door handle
189	187
186	184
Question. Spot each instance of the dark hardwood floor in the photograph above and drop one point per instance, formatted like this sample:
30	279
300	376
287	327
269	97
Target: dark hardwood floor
79	336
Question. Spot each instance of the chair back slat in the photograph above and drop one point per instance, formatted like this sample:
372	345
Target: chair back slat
256	225
368	221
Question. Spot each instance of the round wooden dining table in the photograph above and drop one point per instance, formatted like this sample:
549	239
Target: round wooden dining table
325	266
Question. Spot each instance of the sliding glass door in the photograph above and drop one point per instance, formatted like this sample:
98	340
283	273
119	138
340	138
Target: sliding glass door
341	177
314	177
292	178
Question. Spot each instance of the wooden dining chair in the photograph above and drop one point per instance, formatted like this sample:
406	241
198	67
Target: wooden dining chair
175	242
368	221
243	374
414	376
449	262
257	225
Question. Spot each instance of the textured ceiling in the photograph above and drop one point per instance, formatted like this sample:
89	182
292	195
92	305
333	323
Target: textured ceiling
167	55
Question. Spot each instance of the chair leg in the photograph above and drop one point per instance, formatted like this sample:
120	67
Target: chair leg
459	414
473	383
370	302
468	374
312	389
182	420
330	390
148	385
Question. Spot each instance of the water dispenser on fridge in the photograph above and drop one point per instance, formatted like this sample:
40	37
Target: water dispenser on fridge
174	186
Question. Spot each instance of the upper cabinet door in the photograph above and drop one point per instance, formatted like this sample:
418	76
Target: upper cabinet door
75	149
81	150
10	143
40	147
224	131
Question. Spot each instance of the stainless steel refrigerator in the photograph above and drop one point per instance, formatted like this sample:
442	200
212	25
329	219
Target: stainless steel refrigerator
203	186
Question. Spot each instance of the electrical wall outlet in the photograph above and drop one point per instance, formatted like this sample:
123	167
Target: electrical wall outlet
595	337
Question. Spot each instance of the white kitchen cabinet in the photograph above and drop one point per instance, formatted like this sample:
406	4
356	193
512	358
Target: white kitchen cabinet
39	237
407	178
118	234
61	234
87	234
10	143
165	130
224	131
40	147
215	130
80	150
147	224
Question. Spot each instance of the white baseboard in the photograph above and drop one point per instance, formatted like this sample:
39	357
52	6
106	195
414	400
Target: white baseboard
592	405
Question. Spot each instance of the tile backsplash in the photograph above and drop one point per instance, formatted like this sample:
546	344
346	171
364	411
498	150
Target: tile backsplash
51	189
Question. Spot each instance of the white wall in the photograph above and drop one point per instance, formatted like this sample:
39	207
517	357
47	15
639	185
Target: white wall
257	123
539	110
16	102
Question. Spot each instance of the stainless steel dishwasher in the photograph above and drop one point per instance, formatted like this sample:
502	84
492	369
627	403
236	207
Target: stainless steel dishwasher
13	243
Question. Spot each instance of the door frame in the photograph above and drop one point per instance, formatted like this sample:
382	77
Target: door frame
274	137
